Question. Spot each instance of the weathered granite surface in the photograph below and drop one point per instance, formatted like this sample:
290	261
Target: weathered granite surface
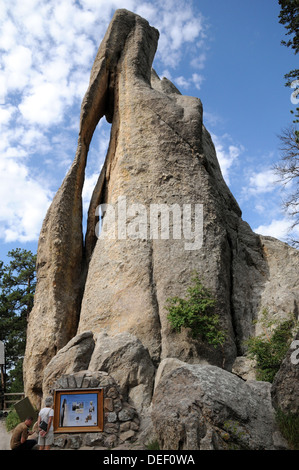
125	358
208	408
285	387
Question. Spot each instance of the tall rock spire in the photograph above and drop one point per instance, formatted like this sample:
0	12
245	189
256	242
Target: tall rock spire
169	213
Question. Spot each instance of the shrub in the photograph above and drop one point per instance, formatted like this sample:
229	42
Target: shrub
289	427
12	420
153	445
196	312
271	347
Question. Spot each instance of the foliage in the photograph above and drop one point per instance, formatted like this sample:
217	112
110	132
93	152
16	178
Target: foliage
197	313
235	435
288	171
153	445
17	286
289	17
288	168
12	420
270	348
289	427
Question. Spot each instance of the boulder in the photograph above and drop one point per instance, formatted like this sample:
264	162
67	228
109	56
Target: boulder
125	358
280	293
168	365
245	368
285	387
74	357
199	407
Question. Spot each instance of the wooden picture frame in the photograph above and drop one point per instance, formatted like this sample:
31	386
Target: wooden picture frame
78	410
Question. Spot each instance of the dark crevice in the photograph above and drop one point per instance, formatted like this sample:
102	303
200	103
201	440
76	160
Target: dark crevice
109	109
155	303
231	295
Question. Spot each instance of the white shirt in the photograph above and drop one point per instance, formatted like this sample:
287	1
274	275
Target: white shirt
45	413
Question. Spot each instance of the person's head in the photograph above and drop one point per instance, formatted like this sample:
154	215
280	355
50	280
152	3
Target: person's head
48	401
29	421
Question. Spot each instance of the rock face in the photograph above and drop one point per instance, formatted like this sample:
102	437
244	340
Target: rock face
285	388
208	408
125	358
73	357
100	302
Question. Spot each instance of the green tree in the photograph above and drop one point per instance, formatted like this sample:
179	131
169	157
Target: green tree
17	287
289	17
196	312
287	168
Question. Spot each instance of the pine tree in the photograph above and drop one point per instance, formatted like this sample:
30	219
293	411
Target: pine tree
289	17
17	287
288	167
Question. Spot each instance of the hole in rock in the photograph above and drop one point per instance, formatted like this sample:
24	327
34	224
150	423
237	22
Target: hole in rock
95	161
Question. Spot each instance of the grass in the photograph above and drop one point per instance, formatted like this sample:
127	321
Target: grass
12	420
153	445
289	427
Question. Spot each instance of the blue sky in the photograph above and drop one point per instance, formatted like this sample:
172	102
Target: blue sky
226	52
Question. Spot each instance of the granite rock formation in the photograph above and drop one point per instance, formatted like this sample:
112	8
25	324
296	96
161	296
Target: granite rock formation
115	285
208	408
285	388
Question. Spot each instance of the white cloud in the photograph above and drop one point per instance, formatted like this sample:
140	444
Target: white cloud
179	25
260	208
89	184
24	201
146	11
6	114
17	64
261	182
95	162
43	106
198	62
211	118
195	80
227	153
48	44
182	82
277	228
192	29
166	73
9	34
47	49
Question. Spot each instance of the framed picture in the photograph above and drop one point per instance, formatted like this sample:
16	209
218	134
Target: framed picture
79	410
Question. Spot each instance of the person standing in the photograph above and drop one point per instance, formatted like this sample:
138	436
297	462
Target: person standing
46	438
19	439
